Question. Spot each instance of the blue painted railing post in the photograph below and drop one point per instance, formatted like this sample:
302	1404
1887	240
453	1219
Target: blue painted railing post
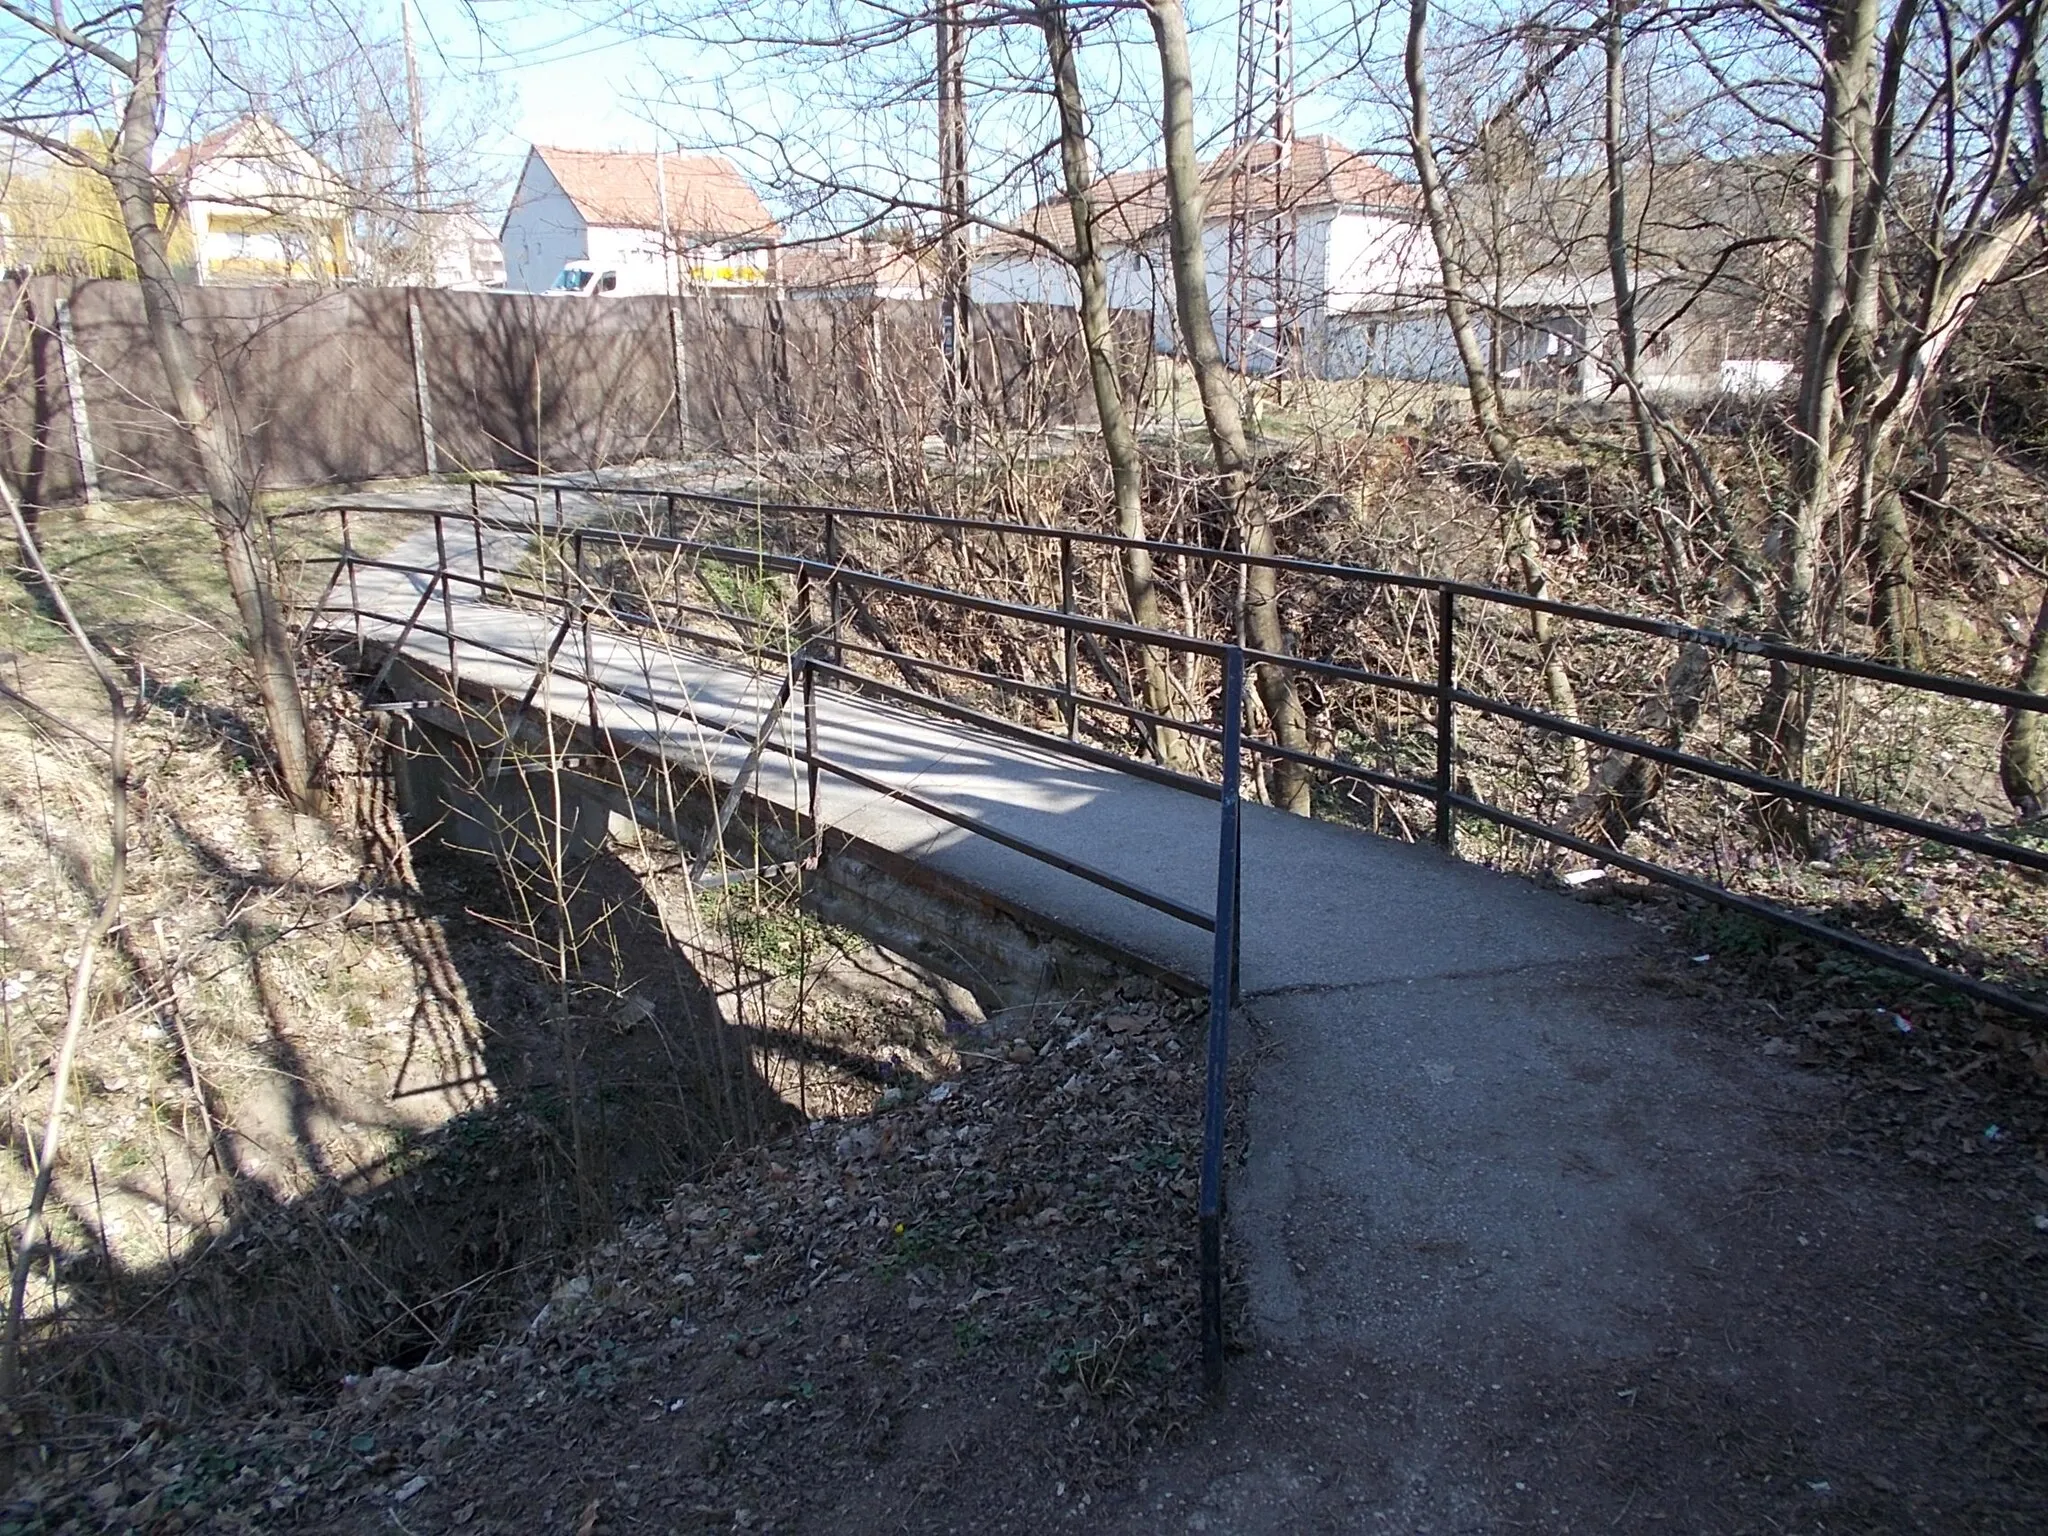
1222	994
1446	717
810	687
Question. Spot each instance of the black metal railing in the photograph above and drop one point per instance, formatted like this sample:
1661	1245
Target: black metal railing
1453	602
803	660
813	647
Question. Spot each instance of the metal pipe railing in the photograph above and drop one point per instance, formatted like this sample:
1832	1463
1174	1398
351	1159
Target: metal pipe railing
1442	691
1760	646
817	648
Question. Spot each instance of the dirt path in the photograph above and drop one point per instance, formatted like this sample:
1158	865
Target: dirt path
971	1312
1618	1268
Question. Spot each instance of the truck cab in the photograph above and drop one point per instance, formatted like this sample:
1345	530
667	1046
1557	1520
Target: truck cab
584	280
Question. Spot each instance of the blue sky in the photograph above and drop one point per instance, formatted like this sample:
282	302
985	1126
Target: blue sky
583	77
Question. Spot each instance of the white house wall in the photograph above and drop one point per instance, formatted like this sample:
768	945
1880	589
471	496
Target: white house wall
542	231
1416	347
1375	261
1022	277
1360	286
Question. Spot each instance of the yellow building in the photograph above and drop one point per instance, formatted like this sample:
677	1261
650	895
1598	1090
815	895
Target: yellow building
259	208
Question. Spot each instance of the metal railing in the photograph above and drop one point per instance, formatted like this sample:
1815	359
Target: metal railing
804	660
1452	601
823	648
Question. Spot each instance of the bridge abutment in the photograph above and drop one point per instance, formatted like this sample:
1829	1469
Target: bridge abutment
517	787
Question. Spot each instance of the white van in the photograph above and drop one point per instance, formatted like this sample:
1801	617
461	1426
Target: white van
592	280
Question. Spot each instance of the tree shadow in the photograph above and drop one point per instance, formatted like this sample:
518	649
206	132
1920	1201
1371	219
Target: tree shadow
565	1062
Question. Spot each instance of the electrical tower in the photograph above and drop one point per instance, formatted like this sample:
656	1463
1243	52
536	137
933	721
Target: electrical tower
955	337
1261	300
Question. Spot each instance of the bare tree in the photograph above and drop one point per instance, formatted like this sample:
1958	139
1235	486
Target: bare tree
133	45
2023	758
1627	330
1931	174
1524	546
1119	442
1233	456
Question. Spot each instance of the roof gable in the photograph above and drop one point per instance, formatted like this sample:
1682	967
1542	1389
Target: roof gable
253	163
1316	172
705	194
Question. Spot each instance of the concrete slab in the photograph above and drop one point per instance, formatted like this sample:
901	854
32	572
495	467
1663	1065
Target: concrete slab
1325	906
1453	1165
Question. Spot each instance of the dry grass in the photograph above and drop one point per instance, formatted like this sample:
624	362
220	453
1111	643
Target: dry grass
338	1107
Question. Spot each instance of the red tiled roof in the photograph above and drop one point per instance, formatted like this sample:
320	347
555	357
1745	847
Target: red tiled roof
176	164
1319	172
852	264
706	193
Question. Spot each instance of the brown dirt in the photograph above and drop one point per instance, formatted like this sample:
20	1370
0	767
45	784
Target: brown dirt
973	1314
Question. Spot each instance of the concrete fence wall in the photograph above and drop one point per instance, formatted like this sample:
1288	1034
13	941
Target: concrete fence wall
328	386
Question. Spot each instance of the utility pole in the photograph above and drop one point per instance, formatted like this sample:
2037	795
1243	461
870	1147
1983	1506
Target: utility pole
415	112
955	337
672	280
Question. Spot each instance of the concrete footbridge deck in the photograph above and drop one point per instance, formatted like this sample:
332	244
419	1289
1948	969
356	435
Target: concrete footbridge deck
1471	1138
1516	1221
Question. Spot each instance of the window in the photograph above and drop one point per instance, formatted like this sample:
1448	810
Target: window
609	283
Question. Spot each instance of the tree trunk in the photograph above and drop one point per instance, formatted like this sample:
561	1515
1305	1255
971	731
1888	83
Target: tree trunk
1649	457
1894	593
1119	442
1524	546
1262	625
1836	290
2023	758
231	501
1612	805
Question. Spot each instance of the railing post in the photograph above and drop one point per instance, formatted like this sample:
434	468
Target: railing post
1446	720
472	499
590	675
1067	704
1222	990
476	526
576	558
669	519
447	598
810	684
348	558
801	629
832	584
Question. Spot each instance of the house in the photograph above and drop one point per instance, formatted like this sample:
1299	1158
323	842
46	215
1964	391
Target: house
855	269
464	252
1293	236
1319	259
259	207
660	221
1716	255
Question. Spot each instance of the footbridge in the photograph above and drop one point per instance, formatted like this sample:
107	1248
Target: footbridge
1450	1071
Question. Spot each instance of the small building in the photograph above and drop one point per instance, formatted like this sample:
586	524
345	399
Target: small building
855	269
665	220
1319	260
259	207
1292	236
1717	262
464	252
